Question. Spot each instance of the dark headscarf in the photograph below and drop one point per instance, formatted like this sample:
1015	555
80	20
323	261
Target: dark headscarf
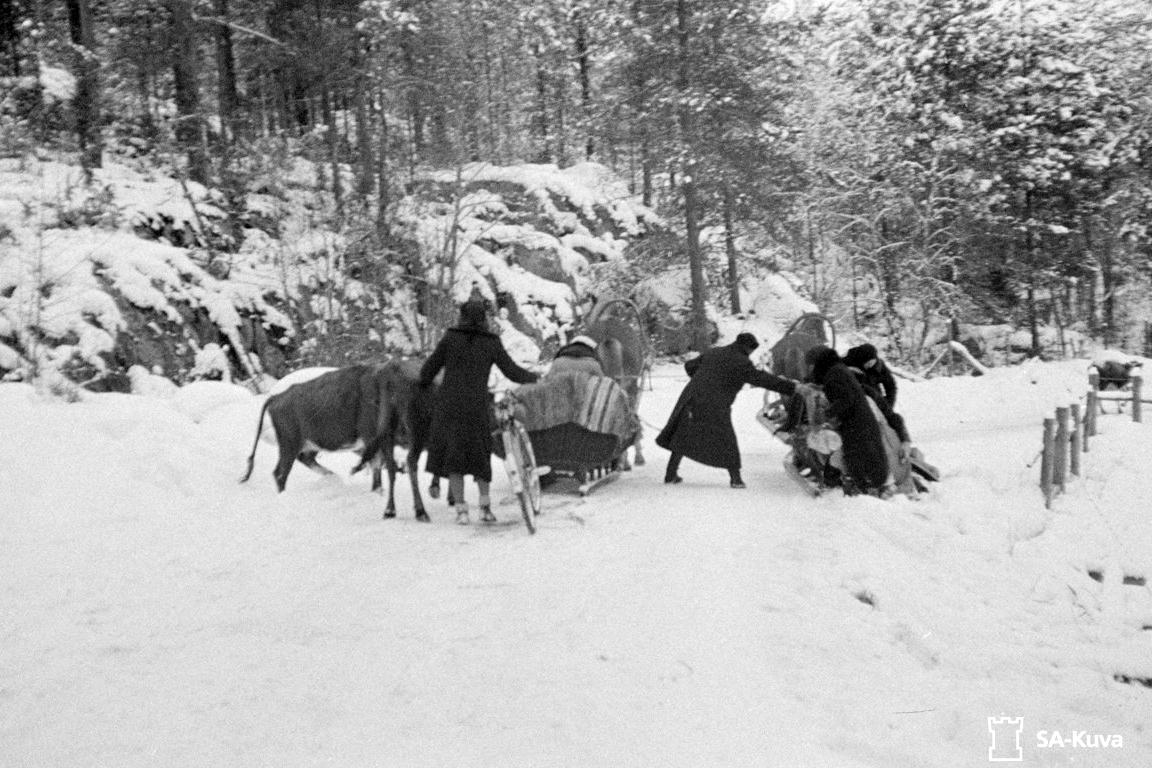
858	357
820	360
474	315
747	342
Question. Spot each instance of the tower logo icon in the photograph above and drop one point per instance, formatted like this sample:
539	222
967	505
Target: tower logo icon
1005	747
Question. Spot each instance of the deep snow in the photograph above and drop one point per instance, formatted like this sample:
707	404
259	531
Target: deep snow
157	613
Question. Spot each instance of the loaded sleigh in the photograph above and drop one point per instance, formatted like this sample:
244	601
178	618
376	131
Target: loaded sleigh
814	460
581	425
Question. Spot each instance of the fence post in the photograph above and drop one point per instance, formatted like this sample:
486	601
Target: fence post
1091	409
1060	465
1077	438
1137	390
1046	462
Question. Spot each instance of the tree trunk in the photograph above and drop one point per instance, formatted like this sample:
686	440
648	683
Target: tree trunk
333	151
228	98
542	120
382	194
730	249
86	104
688	182
584	68
561	121
1108	279
188	120
10	20
367	163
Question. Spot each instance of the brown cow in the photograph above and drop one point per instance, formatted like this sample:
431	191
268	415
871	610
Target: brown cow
366	407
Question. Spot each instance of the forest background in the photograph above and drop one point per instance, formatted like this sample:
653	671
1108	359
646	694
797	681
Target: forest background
974	170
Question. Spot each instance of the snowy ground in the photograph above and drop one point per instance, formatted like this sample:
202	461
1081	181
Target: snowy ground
156	613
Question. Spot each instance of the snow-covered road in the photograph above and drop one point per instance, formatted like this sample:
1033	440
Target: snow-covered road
156	613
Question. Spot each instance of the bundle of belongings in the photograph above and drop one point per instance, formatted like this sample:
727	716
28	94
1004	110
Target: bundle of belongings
816	457
596	403
1115	370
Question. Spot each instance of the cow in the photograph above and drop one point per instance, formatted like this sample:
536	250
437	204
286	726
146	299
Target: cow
371	408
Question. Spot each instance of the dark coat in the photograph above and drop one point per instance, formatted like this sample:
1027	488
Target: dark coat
876	375
700	426
461	436
895	420
864	456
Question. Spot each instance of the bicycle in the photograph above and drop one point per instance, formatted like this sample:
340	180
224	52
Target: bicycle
519	460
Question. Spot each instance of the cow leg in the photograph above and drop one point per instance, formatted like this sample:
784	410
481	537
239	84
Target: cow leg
284	466
308	459
376	461
390	463
414	481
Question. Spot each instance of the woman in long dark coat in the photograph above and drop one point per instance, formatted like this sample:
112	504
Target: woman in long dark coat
700	426
461	438
865	462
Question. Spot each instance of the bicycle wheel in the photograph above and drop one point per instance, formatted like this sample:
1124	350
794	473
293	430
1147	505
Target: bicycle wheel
520	463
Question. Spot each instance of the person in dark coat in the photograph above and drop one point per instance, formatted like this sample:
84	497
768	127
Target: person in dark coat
700	426
865	462
461	437
876	373
894	420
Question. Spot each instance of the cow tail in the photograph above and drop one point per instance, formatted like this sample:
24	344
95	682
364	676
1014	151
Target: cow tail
256	442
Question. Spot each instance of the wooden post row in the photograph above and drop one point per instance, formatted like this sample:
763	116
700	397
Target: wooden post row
1046	462
1077	438
1060	464
1137	403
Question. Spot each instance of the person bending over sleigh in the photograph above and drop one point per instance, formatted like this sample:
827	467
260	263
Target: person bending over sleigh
700	426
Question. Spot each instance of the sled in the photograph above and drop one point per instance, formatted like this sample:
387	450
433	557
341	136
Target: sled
792	420
805	481
921	467
580	427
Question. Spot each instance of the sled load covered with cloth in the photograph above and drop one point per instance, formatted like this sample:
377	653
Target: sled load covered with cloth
815	458
801	422
580	426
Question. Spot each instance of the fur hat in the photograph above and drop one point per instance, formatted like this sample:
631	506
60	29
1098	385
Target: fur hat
587	341
474	314
747	342
821	359
857	357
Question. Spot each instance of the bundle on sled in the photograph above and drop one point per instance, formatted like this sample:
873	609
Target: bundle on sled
580	426
815	460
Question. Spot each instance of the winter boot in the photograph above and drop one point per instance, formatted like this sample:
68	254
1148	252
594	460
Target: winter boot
462	514
735	480
486	515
